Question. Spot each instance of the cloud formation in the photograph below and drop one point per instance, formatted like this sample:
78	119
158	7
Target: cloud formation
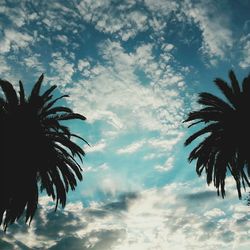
156	218
131	67
217	38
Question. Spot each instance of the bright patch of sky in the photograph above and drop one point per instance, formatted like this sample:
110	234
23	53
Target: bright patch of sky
134	69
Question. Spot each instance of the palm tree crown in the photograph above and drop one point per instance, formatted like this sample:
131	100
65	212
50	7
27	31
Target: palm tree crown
225	135
36	151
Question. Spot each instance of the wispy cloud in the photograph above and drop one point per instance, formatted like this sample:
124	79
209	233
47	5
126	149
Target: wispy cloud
98	147
245	43
161	144
63	39
14	40
34	61
115	93
166	166
62	69
132	148
161	6
108	18
4	67
217	37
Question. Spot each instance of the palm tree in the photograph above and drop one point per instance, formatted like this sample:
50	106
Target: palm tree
225	135
36	151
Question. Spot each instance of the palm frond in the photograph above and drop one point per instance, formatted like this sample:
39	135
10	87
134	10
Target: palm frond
208	129
50	104
246	85
227	91
70	116
234	82
36	89
211	100
55	110
228	126
9	93
47	94
50	164
21	93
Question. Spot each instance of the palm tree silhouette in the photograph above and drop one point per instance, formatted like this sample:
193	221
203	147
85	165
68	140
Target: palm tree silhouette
227	123
36	151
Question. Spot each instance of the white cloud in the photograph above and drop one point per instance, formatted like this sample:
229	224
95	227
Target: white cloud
15	40
103	166
167	46
87	169
216	33
83	64
165	144
126	22
166	166
4	66
137	22
115	93
98	147
120	20
215	212
132	148
164	7
62	69
18	16
153	156
245	60
110	185
62	38
34	61
158	25
94	169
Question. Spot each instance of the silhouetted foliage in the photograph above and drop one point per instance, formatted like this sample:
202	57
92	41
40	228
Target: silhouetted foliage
36	151
227	123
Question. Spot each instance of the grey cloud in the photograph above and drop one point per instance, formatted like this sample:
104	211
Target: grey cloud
71	242
106	239
57	223
5	245
61	227
99	213
226	236
243	220
11	243
17	227
176	222
123	202
107	226
209	226
200	196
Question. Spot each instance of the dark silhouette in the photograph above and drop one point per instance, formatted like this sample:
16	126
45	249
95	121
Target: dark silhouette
36	151
227	123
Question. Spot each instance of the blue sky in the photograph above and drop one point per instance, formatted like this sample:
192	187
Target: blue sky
134	69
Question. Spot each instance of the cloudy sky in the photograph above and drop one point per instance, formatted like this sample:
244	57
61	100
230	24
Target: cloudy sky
133	68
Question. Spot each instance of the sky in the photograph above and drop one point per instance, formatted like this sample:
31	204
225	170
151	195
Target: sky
134	69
